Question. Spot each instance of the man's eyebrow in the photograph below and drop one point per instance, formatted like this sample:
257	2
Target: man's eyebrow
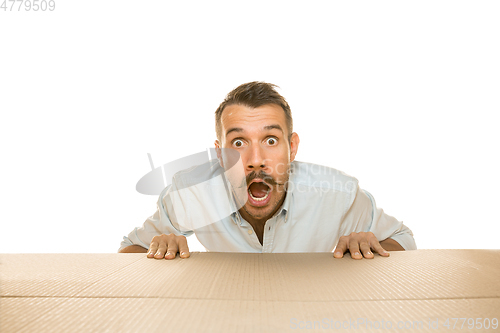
234	129
275	126
266	128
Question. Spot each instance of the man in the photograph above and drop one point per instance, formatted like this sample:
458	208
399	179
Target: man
285	205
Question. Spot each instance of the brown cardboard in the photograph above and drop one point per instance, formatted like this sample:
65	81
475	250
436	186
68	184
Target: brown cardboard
243	292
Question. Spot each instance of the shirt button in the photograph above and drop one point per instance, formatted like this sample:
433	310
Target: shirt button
250	231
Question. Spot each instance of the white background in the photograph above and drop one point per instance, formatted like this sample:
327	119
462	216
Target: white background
402	95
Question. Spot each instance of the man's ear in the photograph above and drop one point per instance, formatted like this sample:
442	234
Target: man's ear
294	146
218	150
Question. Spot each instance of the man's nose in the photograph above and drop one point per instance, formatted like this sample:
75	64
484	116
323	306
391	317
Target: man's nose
256	159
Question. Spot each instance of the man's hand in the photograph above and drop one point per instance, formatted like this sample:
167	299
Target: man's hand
167	246
358	243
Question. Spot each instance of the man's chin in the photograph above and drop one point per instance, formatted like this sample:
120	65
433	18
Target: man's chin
257	212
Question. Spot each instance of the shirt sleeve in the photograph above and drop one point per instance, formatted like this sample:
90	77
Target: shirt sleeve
157	224
363	215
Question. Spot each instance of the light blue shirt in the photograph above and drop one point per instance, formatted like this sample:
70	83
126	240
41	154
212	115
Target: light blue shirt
321	205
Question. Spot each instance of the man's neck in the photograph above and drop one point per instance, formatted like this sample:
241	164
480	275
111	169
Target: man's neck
254	222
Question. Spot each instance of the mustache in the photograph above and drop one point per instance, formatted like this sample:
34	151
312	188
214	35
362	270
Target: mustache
264	176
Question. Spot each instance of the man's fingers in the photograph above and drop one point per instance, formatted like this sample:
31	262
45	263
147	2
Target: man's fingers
359	245
354	248
183	247
152	249
378	248
365	249
167	246
340	248
172	250
162	248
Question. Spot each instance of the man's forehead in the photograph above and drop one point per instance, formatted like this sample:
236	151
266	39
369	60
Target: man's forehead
264	115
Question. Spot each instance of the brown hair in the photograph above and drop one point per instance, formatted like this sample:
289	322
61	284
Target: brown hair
254	94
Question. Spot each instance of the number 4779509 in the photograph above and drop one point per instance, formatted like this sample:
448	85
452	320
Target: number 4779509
28	5
472	323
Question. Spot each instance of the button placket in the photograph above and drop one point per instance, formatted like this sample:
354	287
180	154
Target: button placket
269	235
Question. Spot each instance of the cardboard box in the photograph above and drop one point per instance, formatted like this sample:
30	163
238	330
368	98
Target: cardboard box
420	291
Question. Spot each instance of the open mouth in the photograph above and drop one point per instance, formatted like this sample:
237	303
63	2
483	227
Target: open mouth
259	191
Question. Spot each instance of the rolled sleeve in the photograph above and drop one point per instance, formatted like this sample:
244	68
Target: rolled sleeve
385	226
363	215
404	237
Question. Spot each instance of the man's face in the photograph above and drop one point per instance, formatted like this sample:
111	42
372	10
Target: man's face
260	136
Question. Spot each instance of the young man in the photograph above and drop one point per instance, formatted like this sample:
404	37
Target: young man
256	198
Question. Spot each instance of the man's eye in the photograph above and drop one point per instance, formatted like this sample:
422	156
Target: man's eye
271	141
238	143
